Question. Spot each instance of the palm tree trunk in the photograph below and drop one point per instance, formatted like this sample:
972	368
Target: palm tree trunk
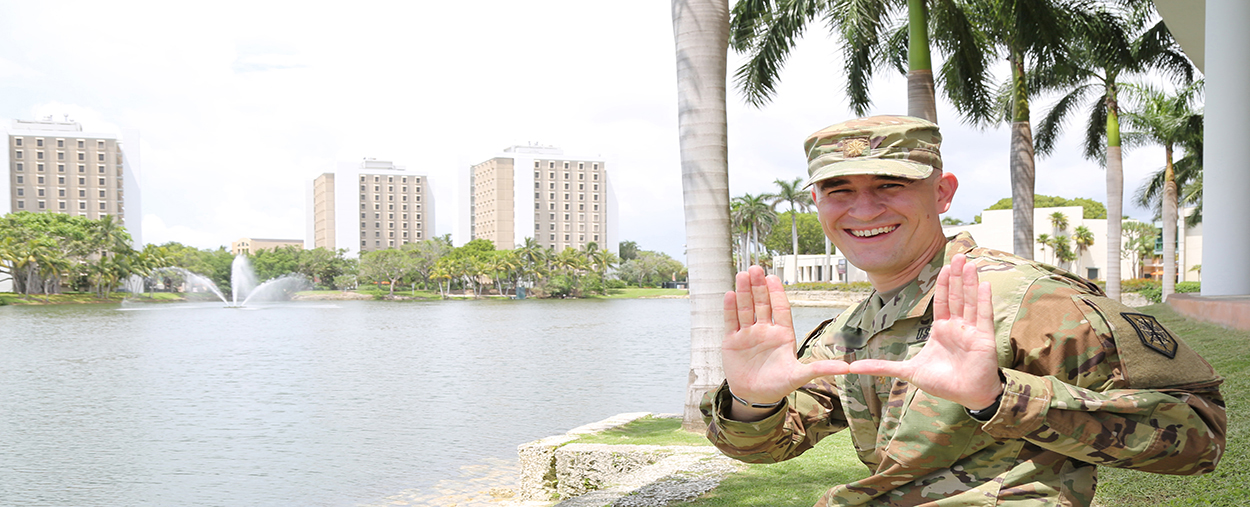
1022	169
1115	199
701	36
921	102
1169	206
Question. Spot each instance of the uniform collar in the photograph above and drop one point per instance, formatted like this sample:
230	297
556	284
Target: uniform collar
875	314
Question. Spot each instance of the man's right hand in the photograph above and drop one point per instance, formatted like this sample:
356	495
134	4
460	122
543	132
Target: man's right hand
759	347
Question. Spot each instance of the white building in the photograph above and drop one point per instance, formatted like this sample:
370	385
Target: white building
373	205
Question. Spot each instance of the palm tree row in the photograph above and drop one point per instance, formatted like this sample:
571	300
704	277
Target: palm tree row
41	252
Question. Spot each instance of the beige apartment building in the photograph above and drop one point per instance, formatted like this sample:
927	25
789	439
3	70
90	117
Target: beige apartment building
248	246
571	203
56	167
371	206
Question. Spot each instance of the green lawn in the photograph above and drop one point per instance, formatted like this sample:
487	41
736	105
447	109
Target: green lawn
645	431
635	292
9	298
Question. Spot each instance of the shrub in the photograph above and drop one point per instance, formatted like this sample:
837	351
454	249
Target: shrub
1155	292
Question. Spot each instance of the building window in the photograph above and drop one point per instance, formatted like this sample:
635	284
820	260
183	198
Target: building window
82	193
566	216
566	196
101	181
553	237
19	179
566	237
100	157
101	206
553	227
99	169
60	180
81	144
17	141
19	166
82	168
99	145
82	156
39	142
566	206
21	204
60	168
60	204
40	180
39	192
60	192
596	176
39	167
101	193
596	237
60	155
39	155
20	192
536	204
596	197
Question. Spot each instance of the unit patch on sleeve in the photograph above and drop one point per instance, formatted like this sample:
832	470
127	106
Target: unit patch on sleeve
1152	334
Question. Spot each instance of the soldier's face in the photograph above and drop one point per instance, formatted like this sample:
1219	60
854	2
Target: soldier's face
885	225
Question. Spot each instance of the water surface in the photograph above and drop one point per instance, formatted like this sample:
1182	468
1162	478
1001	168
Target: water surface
313	403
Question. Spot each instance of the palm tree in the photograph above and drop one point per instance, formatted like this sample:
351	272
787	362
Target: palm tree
1045	241
876	35
1033	34
1059	222
1127	44
1168	120
792	193
1083	239
701	37
758	217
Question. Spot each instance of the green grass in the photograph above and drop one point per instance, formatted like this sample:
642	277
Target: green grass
797	482
1229	484
382	292
71	298
635	292
646	431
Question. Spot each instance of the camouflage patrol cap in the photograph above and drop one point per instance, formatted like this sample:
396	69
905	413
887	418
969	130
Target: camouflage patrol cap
901	146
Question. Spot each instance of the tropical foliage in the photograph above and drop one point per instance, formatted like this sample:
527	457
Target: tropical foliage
1093	209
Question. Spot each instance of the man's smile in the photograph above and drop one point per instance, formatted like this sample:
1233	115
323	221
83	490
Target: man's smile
868	233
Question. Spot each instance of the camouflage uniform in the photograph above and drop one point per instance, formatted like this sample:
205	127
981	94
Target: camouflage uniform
1088	382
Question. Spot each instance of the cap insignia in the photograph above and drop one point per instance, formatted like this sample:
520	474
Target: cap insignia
852	148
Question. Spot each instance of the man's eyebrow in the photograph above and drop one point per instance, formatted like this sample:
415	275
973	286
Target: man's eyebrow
834	182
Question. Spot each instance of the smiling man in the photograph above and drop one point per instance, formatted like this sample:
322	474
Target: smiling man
969	376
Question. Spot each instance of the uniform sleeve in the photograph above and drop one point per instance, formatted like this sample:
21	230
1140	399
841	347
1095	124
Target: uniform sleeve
806	416
1076	388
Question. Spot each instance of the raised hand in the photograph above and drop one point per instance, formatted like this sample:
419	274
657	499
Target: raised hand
759	347
959	363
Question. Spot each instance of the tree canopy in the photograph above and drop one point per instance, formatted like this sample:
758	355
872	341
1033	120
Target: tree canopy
1093	209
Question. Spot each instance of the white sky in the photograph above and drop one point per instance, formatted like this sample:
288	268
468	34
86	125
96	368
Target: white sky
239	104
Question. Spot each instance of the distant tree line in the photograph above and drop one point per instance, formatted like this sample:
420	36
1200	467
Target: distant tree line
43	252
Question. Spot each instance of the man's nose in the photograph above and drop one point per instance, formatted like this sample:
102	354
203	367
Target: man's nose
866	206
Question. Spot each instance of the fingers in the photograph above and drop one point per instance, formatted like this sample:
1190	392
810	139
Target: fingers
780	304
955	290
881	368
759	293
985	308
941	306
745	304
731	312
826	367
970	288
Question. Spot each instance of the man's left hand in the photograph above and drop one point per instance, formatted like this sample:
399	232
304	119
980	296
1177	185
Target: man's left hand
960	362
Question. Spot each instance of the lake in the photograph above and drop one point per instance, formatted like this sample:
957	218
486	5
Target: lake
313	403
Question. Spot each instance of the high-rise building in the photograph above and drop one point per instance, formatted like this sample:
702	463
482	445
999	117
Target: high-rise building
56	167
538	192
370	206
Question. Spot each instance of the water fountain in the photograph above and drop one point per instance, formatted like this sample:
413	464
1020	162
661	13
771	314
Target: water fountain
243	286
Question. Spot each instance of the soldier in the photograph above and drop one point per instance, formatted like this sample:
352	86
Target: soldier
969	376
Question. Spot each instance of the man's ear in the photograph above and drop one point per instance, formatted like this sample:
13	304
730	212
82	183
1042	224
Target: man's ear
947	184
